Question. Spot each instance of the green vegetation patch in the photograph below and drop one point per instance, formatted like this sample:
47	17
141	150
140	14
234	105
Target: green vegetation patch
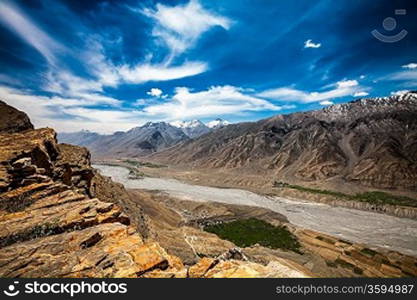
135	174
248	232
385	198
139	164
374	197
368	252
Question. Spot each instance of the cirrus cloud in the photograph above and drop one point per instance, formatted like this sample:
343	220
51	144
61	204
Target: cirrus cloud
215	101
339	89
147	72
179	27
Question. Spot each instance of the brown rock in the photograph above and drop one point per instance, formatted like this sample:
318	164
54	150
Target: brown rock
201	268
13	120
53	229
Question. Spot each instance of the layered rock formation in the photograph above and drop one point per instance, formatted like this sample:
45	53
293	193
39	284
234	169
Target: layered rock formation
361	260
370	142
52	224
50	227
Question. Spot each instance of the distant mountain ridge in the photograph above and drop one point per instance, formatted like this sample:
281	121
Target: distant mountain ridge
371	141
139	141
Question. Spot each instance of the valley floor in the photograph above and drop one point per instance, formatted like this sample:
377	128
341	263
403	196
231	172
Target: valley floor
373	229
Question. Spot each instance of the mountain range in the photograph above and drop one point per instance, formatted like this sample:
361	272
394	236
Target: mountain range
369	141
372	142
143	140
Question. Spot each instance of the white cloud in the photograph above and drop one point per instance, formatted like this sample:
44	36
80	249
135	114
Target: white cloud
404	75
63	82
311	44
326	102
98	65
399	93
339	89
179	27
360	94
20	97
215	101
410	66
155	92
65	114
147	72
407	77
72	114
29	32
347	83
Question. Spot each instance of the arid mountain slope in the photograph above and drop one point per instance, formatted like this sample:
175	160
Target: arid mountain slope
372	142
138	141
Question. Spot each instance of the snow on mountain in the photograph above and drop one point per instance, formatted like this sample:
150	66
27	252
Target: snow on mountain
217	123
193	129
187	124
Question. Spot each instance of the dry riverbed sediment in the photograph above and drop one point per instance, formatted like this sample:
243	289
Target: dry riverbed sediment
373	229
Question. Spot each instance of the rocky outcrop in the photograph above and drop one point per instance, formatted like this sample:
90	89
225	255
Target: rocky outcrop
218	268
13	120
362	260
51	227
76	171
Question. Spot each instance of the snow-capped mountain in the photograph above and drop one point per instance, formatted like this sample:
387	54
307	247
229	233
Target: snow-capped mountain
217	123
196	128
142	140
369	141
193	129
148	138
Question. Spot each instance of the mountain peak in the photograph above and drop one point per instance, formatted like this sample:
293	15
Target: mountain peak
154	124
192	129
217	123
187	124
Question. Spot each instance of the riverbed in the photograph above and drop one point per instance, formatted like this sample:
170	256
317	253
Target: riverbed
365	227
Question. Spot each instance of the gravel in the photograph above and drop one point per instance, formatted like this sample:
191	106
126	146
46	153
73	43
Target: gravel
365	227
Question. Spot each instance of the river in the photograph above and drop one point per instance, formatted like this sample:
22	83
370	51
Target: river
354	225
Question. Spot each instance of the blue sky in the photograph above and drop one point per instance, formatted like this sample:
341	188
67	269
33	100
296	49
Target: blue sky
112	65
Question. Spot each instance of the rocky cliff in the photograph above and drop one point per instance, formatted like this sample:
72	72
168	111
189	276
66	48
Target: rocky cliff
60	218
